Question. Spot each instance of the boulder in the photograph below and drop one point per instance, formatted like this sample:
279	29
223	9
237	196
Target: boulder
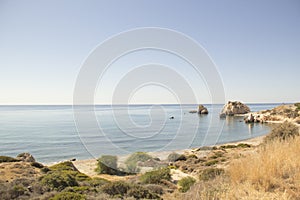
234	108
193	111
26	157
202	110
249	118
255	118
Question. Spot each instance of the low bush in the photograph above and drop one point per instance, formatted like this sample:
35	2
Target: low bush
297	105
63	175
8	159
68	196
243	145
96	182
56	180
211	162
157	189
173	157
107	164
118	188
210	173
63	166
133	159
229	146
217	154
185	183
140	192
192	156
156	176
283	131
37	165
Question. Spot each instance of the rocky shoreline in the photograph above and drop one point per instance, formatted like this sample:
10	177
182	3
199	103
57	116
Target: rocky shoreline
23	177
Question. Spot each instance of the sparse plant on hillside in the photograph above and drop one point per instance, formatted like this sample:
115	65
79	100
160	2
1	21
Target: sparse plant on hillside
210	173
68	196
107	164
185	183
297	105
173	157
156	176
7	159
283	131
133	159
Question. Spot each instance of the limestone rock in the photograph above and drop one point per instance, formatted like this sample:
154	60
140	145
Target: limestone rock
255	118
202	110
234	108
26	157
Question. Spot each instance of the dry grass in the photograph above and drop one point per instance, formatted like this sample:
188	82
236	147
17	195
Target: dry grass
270	172
275	168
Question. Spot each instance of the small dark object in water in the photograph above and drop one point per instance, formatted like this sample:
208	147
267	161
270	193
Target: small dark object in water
73	159
172	117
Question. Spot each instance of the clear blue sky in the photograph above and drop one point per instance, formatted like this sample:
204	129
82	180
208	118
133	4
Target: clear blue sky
255	44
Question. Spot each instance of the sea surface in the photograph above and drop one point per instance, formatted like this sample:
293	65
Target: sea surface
55	133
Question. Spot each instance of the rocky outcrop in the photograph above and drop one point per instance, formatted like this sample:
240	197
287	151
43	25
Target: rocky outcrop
26	157
280	113
255	118
234	108
202	110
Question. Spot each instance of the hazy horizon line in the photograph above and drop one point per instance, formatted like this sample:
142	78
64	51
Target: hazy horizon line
142	104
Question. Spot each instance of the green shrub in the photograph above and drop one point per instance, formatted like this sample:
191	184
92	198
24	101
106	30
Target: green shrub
210	173
107	164
63	175
185	183
297	105
192	156
37	165
118	188
18	190
139	192
156	176
157	189
45	170
243	145
80	189
8	159
69	168
133	159
282	132
217	154
68	196
211	162
173	157
63	166
96	182
229	146
57	180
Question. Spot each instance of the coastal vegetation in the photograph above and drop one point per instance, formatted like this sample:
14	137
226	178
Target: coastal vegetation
132	161
270	170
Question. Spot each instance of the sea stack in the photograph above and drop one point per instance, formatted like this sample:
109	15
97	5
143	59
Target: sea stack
202	110
234	108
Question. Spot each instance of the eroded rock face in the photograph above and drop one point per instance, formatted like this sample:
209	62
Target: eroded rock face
26	157
202	110
234	108
255	118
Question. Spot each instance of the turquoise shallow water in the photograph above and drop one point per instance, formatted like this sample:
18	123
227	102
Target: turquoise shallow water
50	133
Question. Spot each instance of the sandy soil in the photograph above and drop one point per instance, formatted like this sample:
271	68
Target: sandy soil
88	166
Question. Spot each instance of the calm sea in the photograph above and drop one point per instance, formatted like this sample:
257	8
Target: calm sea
50	132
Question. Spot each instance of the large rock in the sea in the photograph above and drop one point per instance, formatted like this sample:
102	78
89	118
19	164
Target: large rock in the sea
234	108
26	157
202	110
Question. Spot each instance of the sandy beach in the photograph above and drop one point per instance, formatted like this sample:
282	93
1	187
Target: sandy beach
88	166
